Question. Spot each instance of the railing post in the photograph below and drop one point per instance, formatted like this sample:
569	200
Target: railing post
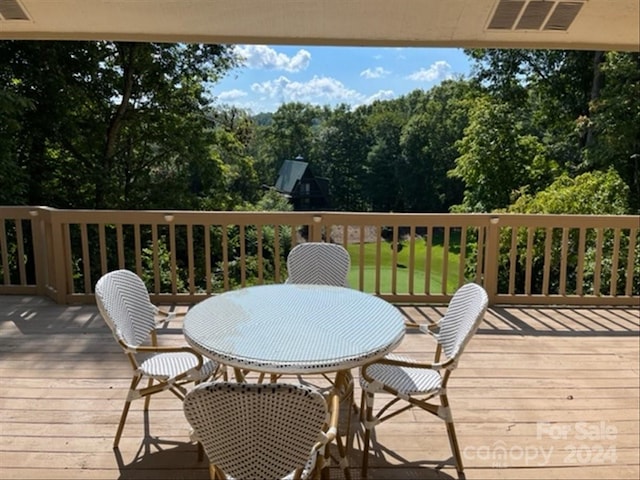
60	256
492	258
315	229
39	254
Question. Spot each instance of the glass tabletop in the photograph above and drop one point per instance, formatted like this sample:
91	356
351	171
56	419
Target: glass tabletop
294	328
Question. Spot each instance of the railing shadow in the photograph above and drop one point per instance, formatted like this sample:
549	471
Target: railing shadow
41	315
551	321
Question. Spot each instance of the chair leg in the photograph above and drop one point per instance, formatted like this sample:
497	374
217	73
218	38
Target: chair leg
125	410
147	400
367	399
123	418
451	433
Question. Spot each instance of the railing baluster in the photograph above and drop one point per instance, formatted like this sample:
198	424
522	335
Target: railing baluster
276	253
513	260
546	272
445	260
597	280
207	258
580	265
137	241
190	259
20	247
614	262
86	259
528	262
4	249
412	257
633	234
463	256
260	255
427	261
154	249
225	256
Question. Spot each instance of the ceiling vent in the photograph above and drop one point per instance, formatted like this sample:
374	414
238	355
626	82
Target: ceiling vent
12	10
534	15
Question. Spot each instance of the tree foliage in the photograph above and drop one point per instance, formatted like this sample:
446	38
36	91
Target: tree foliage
131	125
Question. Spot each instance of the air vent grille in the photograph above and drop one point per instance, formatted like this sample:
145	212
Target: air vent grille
12	10
563	16
506	15
534	15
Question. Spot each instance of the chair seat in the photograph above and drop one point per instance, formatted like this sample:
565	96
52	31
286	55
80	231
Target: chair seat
406	381
305	472
163	366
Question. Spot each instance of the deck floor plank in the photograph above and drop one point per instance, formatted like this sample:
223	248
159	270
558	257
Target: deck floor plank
539	393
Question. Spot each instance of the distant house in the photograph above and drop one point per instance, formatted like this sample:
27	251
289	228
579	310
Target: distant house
304	190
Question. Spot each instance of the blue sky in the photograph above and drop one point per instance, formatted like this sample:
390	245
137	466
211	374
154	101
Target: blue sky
273	75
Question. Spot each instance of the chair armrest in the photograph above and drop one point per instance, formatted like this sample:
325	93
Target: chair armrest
430	328
163	349
403	363
166	315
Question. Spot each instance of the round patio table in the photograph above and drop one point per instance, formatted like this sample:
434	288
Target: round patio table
293	328
297	329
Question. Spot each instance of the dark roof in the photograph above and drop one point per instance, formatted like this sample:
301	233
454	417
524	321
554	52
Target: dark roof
290	172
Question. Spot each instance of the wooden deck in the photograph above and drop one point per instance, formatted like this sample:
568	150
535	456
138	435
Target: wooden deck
540	393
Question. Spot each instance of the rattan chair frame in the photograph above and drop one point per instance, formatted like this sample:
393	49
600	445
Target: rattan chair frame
319	263
258	431
452	333
123	302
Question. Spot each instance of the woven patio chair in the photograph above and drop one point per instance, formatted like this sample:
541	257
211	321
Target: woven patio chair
416	382
262	431
319	263
123	301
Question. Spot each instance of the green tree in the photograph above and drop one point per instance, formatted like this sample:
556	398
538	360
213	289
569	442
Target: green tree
499	156
429	149
615	122
113	124
13	178
343	142
290	134
383	181
593	193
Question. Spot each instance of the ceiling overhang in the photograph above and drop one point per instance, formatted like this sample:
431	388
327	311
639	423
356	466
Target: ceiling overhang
565	24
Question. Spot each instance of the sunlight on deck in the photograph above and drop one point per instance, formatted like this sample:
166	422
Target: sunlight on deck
540	393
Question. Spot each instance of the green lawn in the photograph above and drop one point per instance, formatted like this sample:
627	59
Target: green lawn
402	278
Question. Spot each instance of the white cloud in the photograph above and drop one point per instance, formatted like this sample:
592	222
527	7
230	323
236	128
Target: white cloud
380	95
440	70
318	90
377	72
232	95
264	57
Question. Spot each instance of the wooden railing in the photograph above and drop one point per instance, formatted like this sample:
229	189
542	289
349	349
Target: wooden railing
184	256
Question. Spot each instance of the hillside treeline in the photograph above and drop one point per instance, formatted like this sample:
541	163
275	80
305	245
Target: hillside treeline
132	126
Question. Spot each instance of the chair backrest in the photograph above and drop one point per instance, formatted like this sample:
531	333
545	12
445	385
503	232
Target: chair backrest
123	301
319	263
464	315
256	431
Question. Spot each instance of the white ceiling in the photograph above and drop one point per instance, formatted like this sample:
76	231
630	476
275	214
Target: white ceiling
599	24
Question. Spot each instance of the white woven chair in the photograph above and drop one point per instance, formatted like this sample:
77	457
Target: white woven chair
261	431
319	263
415	382
123	301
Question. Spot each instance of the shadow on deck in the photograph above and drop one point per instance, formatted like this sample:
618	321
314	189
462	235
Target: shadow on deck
540	393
